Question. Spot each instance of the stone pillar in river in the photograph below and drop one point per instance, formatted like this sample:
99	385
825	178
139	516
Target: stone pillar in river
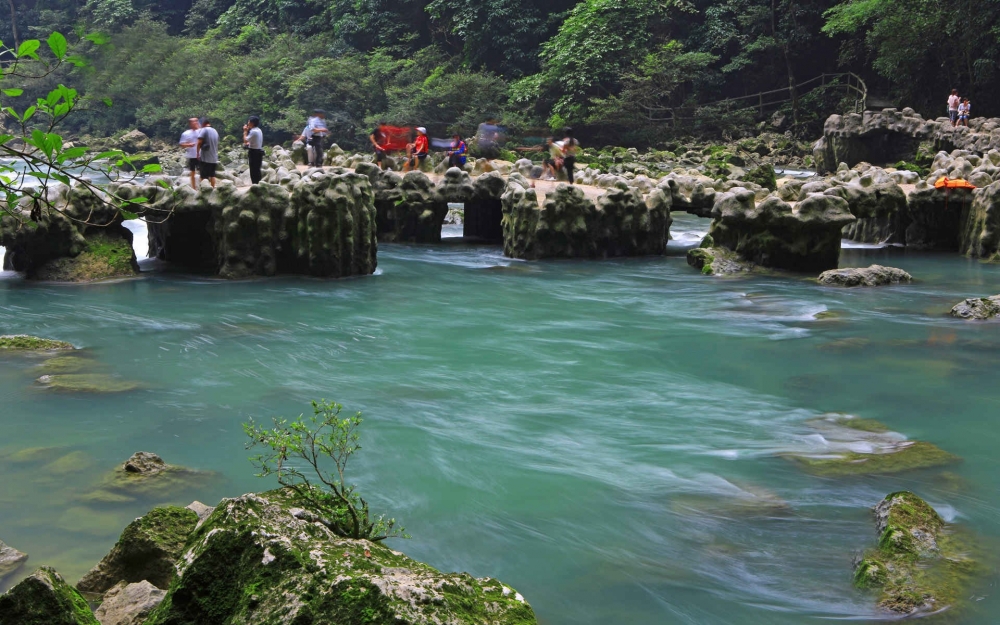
570	225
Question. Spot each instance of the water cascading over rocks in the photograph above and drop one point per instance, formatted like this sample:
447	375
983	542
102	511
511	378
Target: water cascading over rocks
569	225
322	224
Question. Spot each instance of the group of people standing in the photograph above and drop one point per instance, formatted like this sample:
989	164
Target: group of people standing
959	109
201	147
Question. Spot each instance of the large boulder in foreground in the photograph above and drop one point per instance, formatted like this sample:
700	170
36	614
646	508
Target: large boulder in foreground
874	275
146	551
920	565
44	599
260	560
773	233
977	308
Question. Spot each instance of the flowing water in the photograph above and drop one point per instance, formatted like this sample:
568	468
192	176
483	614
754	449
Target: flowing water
589	432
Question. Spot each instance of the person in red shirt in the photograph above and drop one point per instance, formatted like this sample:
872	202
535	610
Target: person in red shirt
419	150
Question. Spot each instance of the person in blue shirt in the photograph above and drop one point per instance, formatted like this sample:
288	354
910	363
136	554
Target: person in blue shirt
253	139
313	134
457	154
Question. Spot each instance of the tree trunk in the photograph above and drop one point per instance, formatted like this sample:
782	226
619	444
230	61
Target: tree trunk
13	24
793	91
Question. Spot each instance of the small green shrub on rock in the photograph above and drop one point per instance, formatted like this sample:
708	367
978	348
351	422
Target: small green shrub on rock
315	441
763	175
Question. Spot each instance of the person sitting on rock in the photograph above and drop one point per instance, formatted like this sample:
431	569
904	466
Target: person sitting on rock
964	109
418	150
208	151
189	141
456	156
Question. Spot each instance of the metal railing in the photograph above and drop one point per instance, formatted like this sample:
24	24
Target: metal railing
850	82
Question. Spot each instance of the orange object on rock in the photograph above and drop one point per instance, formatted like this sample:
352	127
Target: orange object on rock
944	182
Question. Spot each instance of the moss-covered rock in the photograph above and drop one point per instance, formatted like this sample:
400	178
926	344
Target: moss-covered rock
977	308
763	175
920	564
260	560
26	343
44	599
156	482
108	254
854	447
87	383
146	550
77	236
717	261
65	364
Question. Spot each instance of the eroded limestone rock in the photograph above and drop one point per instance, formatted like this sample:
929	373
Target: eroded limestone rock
977	308
79	237
774	234
875	275
255	562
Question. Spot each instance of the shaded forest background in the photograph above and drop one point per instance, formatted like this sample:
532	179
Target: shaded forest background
608	67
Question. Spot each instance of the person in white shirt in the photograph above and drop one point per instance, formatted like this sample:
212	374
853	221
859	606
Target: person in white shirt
313	134
253	138
208	151
953	102
189	141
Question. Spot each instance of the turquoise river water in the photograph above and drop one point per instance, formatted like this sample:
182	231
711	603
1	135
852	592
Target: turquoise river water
582	430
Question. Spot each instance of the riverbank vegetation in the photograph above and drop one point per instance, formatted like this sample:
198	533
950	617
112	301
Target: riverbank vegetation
626	71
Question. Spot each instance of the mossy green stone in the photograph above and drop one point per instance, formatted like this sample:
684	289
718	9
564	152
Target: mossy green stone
87	383
921	565
256	560
44	599
146	550
105	256
65	364
913	456
26	343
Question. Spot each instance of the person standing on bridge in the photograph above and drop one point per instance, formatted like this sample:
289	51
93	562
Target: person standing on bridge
313	134
208	151
189	141
953	103
253	138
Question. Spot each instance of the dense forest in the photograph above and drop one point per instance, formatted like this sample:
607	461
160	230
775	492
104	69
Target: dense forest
616	69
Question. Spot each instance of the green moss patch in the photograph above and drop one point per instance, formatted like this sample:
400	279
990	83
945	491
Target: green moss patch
889	451
26	343
65	364
107	255
920	564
